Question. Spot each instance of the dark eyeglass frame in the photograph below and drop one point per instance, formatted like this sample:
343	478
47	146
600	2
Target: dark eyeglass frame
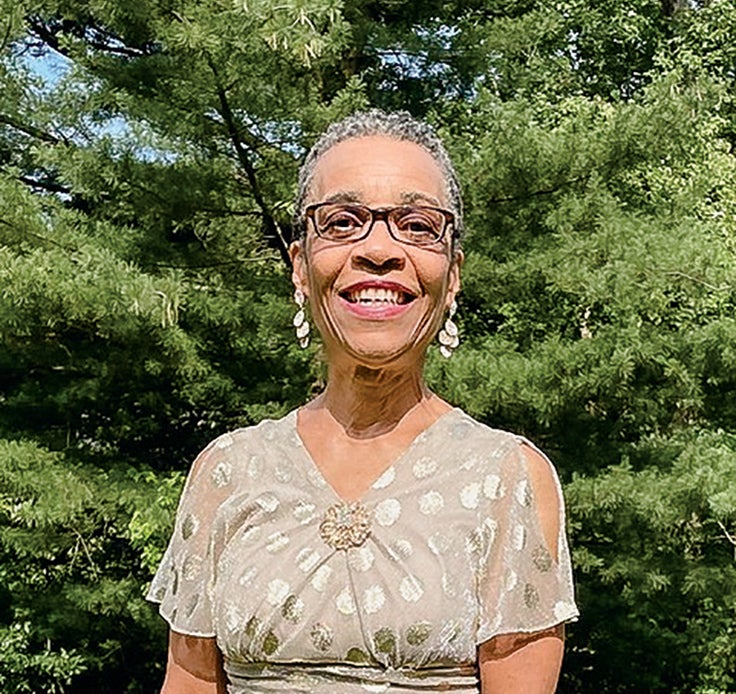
382	214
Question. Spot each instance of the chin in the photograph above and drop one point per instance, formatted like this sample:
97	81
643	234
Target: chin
381	355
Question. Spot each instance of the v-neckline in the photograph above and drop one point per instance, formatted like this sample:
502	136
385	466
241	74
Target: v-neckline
315	470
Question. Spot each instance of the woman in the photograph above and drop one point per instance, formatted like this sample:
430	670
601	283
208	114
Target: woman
377	538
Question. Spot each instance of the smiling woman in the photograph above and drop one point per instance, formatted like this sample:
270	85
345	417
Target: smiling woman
377	538
379	283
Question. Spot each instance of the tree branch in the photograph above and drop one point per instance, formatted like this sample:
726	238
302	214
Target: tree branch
31	130
5	42
537	193
225	212
96	37
206	266
247	165
46	239
50	186
697	280
729	537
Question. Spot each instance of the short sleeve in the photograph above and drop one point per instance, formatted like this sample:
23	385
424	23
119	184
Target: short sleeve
184	582
521	587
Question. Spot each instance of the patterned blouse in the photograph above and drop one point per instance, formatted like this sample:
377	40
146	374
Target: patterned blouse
305	593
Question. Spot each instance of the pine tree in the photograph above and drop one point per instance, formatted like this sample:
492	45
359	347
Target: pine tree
145	205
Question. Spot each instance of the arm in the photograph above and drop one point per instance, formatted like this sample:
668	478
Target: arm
521	663
194	666
528	663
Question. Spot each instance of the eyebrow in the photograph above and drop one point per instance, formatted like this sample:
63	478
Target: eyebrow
408	198
414	196
344	196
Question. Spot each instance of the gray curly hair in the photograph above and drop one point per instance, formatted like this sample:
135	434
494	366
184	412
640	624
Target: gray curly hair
398	125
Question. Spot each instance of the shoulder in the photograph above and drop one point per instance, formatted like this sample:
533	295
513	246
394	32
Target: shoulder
546	494
520	467
237	446
486	445
541	473
500	442
468	433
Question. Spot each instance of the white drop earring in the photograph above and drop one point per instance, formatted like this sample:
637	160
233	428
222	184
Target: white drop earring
300	321
448	336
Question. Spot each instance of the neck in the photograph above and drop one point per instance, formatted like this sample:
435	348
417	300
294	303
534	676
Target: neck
368	402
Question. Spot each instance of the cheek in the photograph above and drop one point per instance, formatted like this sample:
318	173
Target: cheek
323	269
435	276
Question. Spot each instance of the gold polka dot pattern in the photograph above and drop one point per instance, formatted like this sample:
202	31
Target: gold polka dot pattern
306	592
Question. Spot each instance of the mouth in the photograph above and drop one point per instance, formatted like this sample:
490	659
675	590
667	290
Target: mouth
374	294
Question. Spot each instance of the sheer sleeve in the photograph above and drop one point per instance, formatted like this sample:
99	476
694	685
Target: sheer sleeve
521	586
185	578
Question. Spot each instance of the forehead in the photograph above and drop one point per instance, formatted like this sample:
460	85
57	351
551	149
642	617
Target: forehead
378	169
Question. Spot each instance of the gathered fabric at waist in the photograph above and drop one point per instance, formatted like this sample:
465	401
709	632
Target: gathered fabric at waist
336	678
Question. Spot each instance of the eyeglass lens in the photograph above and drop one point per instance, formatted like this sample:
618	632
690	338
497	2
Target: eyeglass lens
410	224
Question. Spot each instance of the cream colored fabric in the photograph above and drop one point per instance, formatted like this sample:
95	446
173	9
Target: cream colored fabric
455	555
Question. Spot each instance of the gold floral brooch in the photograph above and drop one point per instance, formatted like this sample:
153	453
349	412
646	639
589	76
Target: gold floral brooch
345	525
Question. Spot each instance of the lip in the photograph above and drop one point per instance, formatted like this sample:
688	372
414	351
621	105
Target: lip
377	311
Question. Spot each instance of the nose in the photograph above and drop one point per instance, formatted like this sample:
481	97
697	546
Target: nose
379	252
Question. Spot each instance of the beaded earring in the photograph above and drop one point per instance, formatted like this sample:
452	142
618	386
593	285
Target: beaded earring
448	336
300	321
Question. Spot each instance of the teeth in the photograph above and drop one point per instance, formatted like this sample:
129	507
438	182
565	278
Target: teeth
376	295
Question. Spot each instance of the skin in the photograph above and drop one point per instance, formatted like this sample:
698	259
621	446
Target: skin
194	666
376	401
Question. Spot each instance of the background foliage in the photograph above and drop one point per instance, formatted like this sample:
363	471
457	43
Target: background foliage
148	153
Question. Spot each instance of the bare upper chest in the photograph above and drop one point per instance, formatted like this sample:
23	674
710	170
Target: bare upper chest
352	460
350	466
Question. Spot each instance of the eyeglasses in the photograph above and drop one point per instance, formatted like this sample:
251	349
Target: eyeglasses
415	225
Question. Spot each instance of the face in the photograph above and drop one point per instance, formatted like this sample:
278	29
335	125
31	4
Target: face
377	301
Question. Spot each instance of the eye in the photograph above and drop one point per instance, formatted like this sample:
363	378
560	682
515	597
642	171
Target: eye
340	221
420	225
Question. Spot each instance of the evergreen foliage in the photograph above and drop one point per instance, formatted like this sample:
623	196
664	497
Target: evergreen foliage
148	158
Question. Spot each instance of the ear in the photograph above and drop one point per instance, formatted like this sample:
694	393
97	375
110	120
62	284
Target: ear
453	285
298	257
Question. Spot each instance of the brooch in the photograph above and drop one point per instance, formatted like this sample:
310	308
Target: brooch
345	525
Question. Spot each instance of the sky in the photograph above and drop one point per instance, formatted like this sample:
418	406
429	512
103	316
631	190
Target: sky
50	66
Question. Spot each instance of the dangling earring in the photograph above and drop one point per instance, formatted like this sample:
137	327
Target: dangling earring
448	337
300	321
